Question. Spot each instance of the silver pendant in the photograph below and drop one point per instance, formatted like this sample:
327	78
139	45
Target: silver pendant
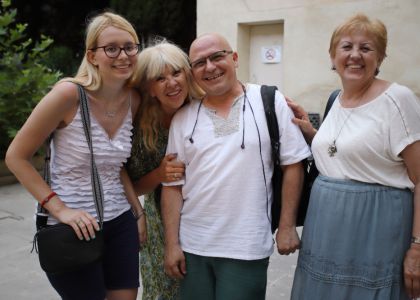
332	149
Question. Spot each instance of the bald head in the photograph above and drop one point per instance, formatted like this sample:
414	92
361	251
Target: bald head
213	65
206	40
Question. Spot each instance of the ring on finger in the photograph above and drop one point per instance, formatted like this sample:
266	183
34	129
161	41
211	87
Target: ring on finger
80	221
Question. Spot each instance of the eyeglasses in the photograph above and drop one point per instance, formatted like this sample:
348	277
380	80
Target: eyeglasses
113	51
213	58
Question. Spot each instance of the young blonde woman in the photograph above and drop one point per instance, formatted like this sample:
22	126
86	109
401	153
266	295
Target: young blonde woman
106	74
164	78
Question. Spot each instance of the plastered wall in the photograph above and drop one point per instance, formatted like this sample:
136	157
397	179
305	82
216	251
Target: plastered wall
307	27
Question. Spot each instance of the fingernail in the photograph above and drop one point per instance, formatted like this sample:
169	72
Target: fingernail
94	237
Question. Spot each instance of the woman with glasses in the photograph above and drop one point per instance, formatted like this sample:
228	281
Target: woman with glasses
165	82
106	73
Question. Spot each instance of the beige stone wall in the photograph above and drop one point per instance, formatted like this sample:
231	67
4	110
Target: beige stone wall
307	26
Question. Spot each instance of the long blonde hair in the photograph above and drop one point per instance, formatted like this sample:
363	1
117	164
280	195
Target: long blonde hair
152	62
87	74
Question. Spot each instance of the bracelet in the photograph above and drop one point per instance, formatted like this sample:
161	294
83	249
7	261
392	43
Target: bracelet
48	198
138	216
415	240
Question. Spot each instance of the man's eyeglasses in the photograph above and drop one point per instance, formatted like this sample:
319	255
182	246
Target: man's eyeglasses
113	51
213	58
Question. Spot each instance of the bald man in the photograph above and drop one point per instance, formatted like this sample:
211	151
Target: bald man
218	237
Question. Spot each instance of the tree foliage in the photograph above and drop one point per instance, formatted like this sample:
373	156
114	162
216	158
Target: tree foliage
23	78
63	20
174	20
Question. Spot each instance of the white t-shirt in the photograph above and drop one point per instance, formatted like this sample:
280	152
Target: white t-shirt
226	210
371	139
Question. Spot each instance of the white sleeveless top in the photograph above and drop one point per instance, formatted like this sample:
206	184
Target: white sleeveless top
71	171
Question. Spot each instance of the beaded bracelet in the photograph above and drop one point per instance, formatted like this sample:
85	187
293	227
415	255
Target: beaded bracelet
48	198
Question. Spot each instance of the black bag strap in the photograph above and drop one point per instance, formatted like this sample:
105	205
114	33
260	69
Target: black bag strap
42	213
98	194
330	102
268	97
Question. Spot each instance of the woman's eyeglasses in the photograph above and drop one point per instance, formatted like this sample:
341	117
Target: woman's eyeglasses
113	51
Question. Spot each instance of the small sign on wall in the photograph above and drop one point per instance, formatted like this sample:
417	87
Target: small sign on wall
271	54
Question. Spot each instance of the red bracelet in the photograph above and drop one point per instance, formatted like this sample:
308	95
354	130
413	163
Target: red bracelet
48	198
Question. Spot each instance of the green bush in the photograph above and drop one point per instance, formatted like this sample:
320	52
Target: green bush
24	80
62	58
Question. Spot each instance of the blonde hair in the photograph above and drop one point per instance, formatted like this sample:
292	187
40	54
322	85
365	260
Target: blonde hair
152	62
87	74
361	23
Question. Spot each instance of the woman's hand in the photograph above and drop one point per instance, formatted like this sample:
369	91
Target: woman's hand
142	228
170	169
83	223
411	157
302	120
412	271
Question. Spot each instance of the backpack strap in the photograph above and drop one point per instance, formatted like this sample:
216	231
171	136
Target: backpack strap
268	99
330	102
268	96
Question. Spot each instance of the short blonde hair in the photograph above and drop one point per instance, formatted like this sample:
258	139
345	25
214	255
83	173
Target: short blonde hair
361	23
87	74
152	62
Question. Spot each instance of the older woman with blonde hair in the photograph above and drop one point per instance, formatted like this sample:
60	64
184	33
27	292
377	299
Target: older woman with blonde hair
361	238
164	78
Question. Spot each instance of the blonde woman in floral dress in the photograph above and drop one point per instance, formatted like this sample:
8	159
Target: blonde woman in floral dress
165	82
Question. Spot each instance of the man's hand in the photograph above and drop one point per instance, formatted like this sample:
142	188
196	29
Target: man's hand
175	262
287	240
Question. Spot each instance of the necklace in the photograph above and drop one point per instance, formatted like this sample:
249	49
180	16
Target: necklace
110	114
332	148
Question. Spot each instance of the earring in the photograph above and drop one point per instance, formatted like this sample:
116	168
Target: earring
333	68
376	71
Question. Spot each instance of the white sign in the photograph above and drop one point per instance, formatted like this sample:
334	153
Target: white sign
271	54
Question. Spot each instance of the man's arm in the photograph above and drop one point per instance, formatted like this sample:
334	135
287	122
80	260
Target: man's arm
171	204
287	238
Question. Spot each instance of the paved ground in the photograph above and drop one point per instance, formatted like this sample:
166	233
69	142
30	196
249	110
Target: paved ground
21	277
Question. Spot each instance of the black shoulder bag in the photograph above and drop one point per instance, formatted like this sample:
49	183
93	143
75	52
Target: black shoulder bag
310	170
59	249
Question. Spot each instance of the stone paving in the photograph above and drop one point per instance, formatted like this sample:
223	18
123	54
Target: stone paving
21	277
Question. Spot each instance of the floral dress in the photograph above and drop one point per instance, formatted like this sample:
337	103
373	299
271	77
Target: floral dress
156	284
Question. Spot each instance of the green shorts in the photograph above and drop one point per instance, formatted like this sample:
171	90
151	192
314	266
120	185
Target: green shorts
216	278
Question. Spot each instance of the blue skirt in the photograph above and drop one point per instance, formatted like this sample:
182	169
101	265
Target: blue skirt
353	242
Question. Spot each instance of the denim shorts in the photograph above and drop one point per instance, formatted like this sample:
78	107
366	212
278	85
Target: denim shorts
118	269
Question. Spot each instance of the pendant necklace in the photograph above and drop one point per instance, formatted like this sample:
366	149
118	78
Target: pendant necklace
332	148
